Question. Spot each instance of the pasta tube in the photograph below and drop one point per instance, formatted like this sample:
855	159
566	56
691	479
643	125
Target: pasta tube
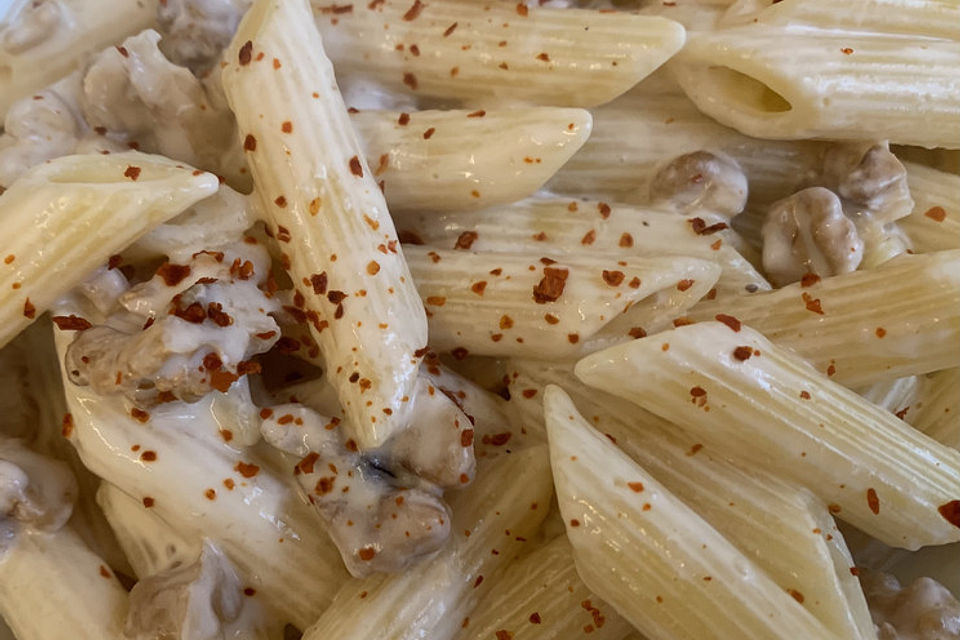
44	41
202	487
739	392
95	607
636	134
65	218
497	51
798	82
500	303
936	410
787	531
900	319
657	562
934	224
464	160
541	597
328	215
492	521
560	226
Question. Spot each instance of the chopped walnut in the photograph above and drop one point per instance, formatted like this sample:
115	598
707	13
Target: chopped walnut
868	175
195	32
188	330
197	601
809	233
379	521
926	610
35	491
702	181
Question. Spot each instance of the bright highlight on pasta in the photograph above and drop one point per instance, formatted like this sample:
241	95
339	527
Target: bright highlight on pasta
461	320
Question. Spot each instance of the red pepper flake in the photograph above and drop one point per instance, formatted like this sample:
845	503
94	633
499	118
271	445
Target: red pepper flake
249	143
902	413
551	319
346	8
831	370
355	167
497	439
550	288
148	456
685	284
211	494
796	595
226	434
429	133
466	438
29	310
873	501
636	487
694	449
701	229
682	322
148	502
637	332
71	323
529	393
306	465
626	240
813	304
450	30
478	287
522	9
804	395
936	213
247	470
503	634
410	80
880	332
742	353
604	210
846	51
544	57
854	571
459	353
10	258
249	592
613	278
132	172
477	114
437	301
66	429
698	392
833	508
635	283
506	322
139	415
286	126
266	413
809	279
589	237
248	367
730	321
535	618
246	53
951	512
413	11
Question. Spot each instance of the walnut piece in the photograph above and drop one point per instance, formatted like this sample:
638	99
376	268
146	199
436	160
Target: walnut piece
926	610
809	233
868	175
702	181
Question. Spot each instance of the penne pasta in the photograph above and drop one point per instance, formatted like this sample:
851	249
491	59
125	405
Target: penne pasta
496	52
657	562
934	224
150	544
541	597
502	303
67	217
637	134
38	561
582	227
739	392
40	42
783	528
492	522
897	320
202	487
465	160
328	214
927	19
936	408
799	83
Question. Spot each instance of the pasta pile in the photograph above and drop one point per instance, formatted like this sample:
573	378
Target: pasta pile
480	320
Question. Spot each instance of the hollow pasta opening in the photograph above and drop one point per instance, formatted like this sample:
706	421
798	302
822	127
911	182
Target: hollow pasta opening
746	92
